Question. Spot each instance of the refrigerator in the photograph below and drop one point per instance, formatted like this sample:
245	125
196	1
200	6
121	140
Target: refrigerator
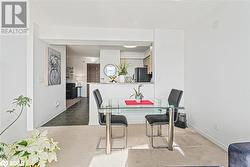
141	75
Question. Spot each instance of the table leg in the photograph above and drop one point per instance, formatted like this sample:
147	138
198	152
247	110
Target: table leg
108	132
171	129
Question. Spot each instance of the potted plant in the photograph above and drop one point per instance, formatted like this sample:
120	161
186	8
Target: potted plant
137	94
122	71
35	151
21	102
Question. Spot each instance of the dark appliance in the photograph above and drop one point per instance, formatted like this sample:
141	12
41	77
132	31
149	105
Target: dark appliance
71	91
181	121
141	75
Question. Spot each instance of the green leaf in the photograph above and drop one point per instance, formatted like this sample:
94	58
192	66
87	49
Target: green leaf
25	154
123	69
11	111
3	156
22	101
23	143
136	93
17	152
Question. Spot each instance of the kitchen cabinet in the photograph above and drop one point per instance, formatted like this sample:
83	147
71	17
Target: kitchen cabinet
147	62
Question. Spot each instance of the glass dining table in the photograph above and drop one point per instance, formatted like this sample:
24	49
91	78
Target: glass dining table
119	106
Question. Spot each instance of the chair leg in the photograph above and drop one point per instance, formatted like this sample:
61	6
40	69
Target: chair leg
118	137
126	136
152	133
159	135
119	148
111	132
146	125
152	141
159	132
148	130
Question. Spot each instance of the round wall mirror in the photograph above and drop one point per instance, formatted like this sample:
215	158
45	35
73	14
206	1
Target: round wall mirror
110	70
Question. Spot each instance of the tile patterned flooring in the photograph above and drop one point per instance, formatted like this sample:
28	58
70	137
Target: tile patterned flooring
77	114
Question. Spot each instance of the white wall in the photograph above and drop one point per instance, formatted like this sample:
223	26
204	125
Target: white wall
47	97
1	84
96	34
12	83
108	57
217	74
78	65
132	55
168	59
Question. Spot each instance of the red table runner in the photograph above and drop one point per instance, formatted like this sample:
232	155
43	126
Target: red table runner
142	102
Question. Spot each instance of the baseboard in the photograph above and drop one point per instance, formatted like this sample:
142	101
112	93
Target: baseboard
55	115
210	138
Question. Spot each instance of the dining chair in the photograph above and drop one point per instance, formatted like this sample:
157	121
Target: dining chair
174	99
116	120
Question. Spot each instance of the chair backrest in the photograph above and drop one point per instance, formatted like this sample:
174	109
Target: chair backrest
174	97
98	100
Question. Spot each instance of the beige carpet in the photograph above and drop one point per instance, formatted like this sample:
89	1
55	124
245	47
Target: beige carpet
78	149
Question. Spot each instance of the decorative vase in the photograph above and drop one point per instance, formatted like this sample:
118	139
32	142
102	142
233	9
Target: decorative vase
122	78
138	99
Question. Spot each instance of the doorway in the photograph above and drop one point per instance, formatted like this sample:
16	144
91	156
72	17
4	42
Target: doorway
93	74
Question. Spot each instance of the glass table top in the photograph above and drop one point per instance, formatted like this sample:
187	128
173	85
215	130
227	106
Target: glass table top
121	104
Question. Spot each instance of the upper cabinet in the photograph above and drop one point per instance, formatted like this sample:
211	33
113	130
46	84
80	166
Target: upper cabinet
147	61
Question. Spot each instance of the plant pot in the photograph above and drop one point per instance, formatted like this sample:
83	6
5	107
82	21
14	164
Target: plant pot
138	99
122	78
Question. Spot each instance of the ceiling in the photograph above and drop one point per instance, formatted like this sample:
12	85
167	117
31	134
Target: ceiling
143	14
94	51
